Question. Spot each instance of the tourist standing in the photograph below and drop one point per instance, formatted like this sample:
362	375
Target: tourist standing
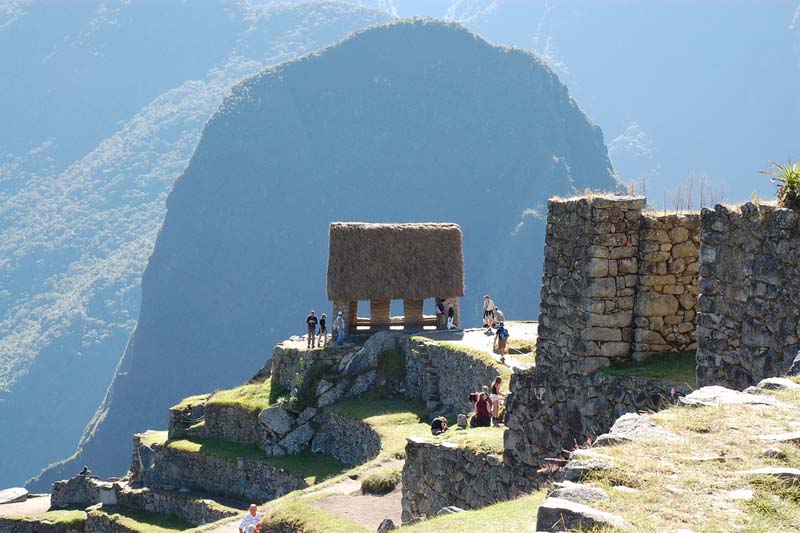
340	329
495	398
311	323
500	341
251	521
323	330
488	312
440	314
483	416
451	317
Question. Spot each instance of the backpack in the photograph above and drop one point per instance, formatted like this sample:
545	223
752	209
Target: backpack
503	333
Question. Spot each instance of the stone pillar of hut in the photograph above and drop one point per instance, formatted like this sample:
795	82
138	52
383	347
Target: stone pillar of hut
380	314
349	313
413	318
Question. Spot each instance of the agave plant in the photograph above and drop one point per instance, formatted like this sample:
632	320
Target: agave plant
787	178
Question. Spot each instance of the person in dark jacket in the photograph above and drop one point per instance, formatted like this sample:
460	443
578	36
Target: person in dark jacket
311	322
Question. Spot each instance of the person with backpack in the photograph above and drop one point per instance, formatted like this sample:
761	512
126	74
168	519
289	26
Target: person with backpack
500	341
451	317
439	425
311	323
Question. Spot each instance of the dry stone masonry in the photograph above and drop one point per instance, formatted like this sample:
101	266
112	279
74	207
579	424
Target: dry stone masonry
749	309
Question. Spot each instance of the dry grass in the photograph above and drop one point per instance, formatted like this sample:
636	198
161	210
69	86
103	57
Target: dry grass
678	489
392	261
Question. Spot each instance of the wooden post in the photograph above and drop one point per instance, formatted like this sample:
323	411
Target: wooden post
380	314
412	314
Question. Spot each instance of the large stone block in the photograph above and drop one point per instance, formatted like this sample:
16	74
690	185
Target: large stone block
601	334
602	288
653	304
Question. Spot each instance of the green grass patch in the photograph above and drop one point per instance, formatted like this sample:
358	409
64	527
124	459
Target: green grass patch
145	522
151	437
381	483
393	419
296	514
227	450
190	401
669	366
522	345
480	440
253	397
314	467
71	518
513	515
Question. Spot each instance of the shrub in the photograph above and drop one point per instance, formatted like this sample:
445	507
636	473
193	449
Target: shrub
787	178
382	482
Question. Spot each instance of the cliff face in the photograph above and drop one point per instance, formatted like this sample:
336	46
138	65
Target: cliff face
413	121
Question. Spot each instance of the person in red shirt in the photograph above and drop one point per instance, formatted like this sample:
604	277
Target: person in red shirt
483	411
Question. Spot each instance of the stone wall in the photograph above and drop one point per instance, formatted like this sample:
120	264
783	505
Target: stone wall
749	306
440	474
190	508
444	376
349	440
288	361
549	411
667	289
243	478
82	490
33	525
230	423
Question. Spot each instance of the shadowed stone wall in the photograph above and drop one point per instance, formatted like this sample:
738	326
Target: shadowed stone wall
749	307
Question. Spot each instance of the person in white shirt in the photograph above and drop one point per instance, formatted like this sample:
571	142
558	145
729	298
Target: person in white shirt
251	521
488	311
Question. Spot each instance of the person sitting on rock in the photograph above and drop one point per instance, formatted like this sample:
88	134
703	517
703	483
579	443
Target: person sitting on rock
439	425
251	521
85	471
483	413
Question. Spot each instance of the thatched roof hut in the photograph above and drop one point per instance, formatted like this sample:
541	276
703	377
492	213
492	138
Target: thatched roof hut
394	261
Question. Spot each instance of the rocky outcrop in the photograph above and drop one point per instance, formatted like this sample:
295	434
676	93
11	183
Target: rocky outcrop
187	506
633	426
438	475
749	305
83	491
349	440
715	395
557	514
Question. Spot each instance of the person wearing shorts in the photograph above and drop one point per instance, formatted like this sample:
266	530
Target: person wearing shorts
488	311
495	397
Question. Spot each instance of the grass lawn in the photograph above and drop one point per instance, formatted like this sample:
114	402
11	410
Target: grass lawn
296	514
253	397
71	518
191	400
669	366
480	440
512	516
145	522
685	484
392	419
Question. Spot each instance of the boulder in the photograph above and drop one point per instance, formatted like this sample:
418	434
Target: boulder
367	357
577	492
13	495
363	383
307	414
577	469
557	514
386	525
791	438
276	420
777	384
334	394
450	509
714	395
791	475
632	426
298	439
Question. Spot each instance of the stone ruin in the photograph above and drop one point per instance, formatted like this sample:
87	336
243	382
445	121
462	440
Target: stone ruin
384	262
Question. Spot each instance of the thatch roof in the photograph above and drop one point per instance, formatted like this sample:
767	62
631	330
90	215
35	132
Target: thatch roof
394	261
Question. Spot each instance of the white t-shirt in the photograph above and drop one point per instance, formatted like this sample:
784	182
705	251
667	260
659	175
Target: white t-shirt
250	520
488	304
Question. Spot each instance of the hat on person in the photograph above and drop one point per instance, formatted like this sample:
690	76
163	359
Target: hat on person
340	313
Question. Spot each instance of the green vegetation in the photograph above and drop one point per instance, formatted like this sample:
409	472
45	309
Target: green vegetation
314	467
227	450
254	397
383	482
787	178
71	518
391	365
669	366
190	401
393	419
144	522
684	483
522	345
151	437
513	515
297	514
306	395
479	440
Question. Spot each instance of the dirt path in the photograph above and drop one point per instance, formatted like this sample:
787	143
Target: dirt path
365	509
33	506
